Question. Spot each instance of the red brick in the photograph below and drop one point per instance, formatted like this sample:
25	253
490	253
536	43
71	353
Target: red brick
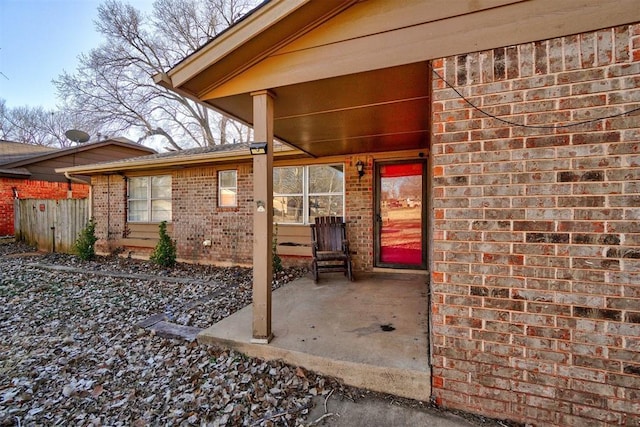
28	189
568	197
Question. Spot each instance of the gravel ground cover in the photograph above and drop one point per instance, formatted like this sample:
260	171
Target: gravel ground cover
70	353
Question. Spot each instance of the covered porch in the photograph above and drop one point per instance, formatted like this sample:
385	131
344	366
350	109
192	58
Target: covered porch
282	71
371	333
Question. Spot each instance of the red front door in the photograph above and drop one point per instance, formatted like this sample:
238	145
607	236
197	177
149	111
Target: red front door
400	215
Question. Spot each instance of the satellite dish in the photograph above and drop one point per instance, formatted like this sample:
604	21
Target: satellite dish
76	135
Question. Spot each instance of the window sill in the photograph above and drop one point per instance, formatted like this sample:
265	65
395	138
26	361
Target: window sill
146	222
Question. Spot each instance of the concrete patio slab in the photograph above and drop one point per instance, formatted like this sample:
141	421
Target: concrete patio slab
371	333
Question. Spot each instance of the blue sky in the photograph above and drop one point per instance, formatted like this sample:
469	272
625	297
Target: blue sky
41	38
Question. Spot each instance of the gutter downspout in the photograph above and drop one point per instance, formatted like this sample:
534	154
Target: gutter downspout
82	181
74	179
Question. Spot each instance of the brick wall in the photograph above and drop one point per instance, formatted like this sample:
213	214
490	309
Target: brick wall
197	217
28	189
358	203
109	210
536	251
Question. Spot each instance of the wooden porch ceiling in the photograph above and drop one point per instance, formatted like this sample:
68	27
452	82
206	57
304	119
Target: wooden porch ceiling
380	110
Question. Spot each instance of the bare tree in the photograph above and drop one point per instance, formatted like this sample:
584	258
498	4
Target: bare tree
113	83
58	122
5	126
35	125
23	124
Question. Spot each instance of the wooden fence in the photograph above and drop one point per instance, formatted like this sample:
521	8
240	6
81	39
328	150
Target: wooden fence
51	225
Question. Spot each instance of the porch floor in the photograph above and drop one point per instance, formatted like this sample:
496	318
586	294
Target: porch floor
371	333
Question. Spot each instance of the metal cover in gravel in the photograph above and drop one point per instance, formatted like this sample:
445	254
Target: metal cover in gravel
173	330
151	320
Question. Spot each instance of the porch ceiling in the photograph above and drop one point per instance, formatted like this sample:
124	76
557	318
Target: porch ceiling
386	109
352	76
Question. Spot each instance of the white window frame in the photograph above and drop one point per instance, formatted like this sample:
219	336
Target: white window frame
233	188
149	200
306	194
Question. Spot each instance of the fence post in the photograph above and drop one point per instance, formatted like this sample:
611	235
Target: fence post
16	219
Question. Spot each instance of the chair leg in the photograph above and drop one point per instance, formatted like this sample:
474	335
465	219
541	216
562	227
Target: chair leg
314	271
350	271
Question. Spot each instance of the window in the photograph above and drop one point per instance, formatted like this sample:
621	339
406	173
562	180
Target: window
301	193
228	188
149	199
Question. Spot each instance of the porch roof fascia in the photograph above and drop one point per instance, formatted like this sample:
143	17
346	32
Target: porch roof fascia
235	50
221	50
304	55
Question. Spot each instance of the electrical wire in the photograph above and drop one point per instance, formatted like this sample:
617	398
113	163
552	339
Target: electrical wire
509	122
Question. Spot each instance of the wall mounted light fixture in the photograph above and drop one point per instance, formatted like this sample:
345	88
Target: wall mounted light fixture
258	148
360	168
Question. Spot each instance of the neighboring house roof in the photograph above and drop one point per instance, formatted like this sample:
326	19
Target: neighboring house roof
15	173
17	148
29	161
28	158
190	156
12	151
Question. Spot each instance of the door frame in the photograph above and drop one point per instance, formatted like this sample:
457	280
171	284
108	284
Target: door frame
377	218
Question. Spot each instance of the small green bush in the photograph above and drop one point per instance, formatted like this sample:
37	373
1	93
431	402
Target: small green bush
277	262
164	253
84	246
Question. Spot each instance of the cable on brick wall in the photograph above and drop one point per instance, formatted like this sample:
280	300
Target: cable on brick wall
509	122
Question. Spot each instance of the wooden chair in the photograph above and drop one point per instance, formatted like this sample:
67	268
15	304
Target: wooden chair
330	247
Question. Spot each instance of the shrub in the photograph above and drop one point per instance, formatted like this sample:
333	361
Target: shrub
84	246
164	253
277	262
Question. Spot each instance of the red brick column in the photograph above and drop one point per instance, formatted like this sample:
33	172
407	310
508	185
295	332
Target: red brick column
359	218
536	279
109	210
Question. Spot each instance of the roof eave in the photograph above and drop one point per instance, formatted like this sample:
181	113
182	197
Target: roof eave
232	39
169	162
164	80
20	173
248	41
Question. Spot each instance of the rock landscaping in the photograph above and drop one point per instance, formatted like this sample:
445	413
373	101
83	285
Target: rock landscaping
75	349
71	353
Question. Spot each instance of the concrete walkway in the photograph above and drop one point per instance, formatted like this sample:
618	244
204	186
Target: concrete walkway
374	412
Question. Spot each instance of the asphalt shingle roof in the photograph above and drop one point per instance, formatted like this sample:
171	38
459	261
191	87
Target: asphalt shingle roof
179	154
